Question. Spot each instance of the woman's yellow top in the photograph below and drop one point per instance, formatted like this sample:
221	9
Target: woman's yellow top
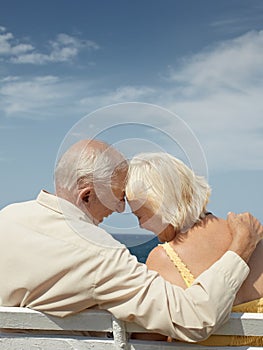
218	340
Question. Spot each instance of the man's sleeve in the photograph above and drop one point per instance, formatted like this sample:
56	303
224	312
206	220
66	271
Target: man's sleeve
131	292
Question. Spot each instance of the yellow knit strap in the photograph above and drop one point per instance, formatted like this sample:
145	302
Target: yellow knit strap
179	264
250	306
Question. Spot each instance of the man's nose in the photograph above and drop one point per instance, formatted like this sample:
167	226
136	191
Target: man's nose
120	206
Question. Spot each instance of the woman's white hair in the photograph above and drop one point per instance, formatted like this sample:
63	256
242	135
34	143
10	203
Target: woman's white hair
173	190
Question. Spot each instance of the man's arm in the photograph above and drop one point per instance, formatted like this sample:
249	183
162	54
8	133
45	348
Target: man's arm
132	293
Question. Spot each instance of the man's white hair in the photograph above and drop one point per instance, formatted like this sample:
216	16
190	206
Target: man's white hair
173	190
79	168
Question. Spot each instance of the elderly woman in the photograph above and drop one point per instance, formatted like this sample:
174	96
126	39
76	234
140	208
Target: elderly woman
170	199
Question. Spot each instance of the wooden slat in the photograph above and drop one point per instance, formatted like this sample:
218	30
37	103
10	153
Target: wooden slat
243	324
29	342
22	318
19	319
155	345
238	324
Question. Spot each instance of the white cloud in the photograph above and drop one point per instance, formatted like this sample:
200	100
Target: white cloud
121	94
241	21
43	97
31	98
8	46
219	93
65	39
63	49
50	96
9	78
234	65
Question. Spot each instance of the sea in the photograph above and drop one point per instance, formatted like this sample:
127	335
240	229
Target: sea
138	244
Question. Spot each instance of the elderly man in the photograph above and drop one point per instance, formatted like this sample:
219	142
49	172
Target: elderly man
54	258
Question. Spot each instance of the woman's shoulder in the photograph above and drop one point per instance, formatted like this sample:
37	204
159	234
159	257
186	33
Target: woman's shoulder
159	261
157	257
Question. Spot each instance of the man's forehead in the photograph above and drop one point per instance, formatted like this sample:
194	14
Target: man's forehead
119	177
118	187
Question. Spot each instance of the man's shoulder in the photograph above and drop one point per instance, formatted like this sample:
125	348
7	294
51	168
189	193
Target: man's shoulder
17	206
94	235
73	229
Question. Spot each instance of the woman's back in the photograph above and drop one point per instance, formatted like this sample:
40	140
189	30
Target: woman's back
199	248
171	200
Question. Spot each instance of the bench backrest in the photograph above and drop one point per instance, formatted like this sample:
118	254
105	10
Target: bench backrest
47	331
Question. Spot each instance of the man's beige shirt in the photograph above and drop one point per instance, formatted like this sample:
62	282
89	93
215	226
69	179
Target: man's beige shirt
53	259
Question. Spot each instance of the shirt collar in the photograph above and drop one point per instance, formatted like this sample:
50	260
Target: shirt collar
61	206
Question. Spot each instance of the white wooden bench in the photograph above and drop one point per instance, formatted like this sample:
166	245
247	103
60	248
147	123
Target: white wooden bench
17	320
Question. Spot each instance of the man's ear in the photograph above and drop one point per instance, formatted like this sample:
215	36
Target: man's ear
84	194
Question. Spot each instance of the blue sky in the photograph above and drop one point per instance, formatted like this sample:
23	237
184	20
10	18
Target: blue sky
61	60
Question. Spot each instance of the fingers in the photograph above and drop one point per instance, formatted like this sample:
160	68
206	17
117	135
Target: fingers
257	227
231	217
237	220
245	220
245	237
